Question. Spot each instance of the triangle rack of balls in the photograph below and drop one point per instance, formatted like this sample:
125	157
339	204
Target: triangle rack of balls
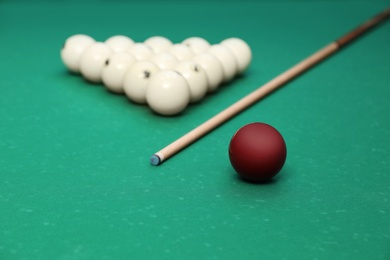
165	76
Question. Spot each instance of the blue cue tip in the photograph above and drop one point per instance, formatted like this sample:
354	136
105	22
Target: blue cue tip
155	160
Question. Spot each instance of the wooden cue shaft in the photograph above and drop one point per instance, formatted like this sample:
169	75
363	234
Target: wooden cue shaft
264	90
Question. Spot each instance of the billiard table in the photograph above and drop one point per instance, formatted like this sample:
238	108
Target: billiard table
76	181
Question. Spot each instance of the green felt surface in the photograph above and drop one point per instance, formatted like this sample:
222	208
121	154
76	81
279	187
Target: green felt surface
75	178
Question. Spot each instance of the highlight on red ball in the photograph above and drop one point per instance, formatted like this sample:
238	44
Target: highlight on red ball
257	152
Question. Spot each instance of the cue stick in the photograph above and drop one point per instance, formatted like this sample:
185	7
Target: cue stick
264	90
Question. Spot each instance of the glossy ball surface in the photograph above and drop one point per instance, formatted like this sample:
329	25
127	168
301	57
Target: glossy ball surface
196	79
73	49
227	60
119	43
257	152
168	93
137	79
158	44
115	69
140	51
165	60
181	52
93	60
241	50
213	69
197	44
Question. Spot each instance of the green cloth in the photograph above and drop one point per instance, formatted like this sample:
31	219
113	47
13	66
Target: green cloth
75	178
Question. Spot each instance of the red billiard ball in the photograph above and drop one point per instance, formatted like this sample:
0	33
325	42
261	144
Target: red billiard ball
257	152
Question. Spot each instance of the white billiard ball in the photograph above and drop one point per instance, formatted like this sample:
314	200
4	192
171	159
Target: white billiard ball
195	77
168	93
182	52
93	60
197	44
213	69
137	78
158	43
241	50
226	58
73	49
140	51
115	69
165	60
119	43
